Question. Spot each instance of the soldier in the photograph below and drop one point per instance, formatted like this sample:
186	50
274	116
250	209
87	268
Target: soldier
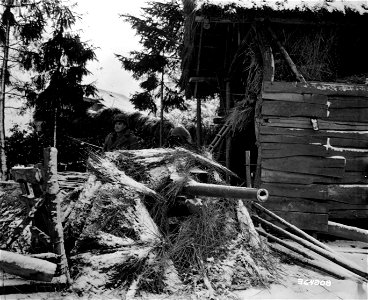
179	137
122	137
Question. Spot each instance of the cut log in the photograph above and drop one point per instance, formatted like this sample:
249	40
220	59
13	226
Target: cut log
246	225
347	232
26	267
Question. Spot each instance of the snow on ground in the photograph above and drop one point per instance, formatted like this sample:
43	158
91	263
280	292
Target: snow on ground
289	286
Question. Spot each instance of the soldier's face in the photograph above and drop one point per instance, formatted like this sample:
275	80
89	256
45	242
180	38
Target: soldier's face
119	126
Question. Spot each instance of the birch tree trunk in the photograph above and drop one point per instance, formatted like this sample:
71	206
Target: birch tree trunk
2	98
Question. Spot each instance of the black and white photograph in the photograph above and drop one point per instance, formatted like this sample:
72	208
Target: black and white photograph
183	149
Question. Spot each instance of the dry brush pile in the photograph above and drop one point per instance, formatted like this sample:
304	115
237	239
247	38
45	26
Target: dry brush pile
131	229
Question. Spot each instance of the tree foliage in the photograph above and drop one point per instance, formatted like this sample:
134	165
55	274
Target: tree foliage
160	31
44	46
56	91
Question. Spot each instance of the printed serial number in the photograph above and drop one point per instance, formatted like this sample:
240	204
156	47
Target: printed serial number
314	282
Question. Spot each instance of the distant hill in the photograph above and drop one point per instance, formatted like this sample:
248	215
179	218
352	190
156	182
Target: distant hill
106	99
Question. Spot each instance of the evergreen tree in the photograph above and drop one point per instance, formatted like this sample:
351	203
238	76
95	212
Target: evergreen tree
157	65
23	25
56	91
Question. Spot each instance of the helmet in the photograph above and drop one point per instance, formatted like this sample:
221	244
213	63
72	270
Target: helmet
120	118
179	136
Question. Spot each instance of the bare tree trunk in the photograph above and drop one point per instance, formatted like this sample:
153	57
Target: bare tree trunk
53	199
2	99
162	109
55	126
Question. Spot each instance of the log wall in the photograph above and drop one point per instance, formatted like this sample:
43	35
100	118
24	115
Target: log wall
314	175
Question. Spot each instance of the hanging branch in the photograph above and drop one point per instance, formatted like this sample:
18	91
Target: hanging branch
288	59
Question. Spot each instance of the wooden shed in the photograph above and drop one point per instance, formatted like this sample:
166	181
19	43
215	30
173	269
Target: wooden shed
292	78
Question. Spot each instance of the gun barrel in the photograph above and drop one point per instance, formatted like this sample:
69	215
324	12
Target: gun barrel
225	191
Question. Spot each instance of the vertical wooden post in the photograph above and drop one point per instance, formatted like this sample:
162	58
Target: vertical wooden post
199	110
268	75
228	137
248	177
53	200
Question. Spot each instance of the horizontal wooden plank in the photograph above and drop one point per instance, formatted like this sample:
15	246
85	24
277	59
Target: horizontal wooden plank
333	205
348	114
333	167
295	204
280	149
352	194
348	214
322	88
296	97
305	123
312	191
313	135
270	176
305	221
288	139
359	164
350	143
347	102
347	143
297	109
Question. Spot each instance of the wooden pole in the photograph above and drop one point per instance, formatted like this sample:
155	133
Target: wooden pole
292	227
347	232
248	177
162	109
228	138
283	243
199	108
53	198
330	256
309	262
288	59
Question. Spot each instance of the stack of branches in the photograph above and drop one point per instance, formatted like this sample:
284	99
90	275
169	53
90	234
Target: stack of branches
131	229
13	209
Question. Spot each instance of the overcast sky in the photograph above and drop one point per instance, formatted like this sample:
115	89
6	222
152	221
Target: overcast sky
103	28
